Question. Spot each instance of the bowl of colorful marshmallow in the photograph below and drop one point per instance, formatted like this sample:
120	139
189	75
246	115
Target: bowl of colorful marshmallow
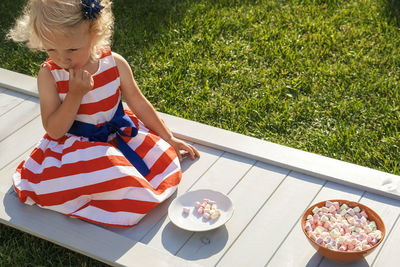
341	230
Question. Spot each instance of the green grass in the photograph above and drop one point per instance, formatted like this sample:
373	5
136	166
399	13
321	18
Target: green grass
321	76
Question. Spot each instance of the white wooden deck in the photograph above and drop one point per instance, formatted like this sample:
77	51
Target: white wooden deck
270	186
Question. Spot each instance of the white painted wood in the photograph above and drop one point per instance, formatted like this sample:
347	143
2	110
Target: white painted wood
248	196
7	172
289	158
222	177
289	254
19	116
9	99
192	171
390	250
18	82
264	234
20	141
82	237
389	210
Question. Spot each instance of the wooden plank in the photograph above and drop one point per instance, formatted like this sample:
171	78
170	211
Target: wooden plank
18	82
315	165
10	99
222	177
248	196
80	236
192	171
20	141
289	254
389	210
7	172
264	234
388	254
19	116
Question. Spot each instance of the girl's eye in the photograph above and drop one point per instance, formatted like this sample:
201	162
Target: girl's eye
72	50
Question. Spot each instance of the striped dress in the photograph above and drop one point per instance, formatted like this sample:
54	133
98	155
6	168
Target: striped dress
93	180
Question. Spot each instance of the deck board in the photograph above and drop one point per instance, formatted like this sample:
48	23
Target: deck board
20	141
7	172
289	253
261	178
390	249
18	116
264	234
249	195
9	99
222	176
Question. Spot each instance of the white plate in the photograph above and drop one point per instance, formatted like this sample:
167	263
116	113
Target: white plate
194	221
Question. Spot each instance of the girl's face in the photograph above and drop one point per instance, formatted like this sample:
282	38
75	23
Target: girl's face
72	50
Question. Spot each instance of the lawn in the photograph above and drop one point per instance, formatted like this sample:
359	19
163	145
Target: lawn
320	76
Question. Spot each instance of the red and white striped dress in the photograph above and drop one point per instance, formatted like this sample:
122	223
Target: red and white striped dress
93	180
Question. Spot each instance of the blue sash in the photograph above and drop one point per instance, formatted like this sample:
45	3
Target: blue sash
100	134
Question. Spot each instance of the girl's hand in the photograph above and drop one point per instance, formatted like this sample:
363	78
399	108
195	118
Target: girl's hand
179	145
80	82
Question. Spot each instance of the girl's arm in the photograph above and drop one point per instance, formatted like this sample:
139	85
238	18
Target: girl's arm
138	103
57	116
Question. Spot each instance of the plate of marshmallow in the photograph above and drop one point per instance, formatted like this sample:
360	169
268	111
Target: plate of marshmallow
200	210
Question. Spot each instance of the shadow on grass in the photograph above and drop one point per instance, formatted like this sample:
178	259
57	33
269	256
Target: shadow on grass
393	10
141	24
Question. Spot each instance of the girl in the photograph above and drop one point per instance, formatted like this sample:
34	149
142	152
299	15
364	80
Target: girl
97	161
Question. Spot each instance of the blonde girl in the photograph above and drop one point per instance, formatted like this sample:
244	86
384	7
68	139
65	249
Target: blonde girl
97	161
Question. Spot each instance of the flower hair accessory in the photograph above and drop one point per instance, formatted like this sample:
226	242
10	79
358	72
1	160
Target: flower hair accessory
91	9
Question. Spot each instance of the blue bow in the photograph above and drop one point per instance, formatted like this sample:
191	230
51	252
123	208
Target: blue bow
100	134
91	8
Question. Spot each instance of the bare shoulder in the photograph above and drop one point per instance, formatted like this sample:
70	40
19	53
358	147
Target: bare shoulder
45	80
125	71
121	62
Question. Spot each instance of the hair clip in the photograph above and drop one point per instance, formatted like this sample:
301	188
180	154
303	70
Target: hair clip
91	8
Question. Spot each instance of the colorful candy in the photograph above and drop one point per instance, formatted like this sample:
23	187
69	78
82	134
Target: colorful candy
208	209
342	228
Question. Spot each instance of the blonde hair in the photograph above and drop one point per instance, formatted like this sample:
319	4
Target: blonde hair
41	18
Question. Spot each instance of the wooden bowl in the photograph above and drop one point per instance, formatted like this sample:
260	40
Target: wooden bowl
344	256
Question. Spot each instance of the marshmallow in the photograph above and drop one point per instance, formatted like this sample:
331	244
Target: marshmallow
344	206
315	210
356	209
208	209
206	216
336	204
215	215
351	212
335	233
341	227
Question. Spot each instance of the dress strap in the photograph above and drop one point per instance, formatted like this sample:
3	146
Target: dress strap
101	133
